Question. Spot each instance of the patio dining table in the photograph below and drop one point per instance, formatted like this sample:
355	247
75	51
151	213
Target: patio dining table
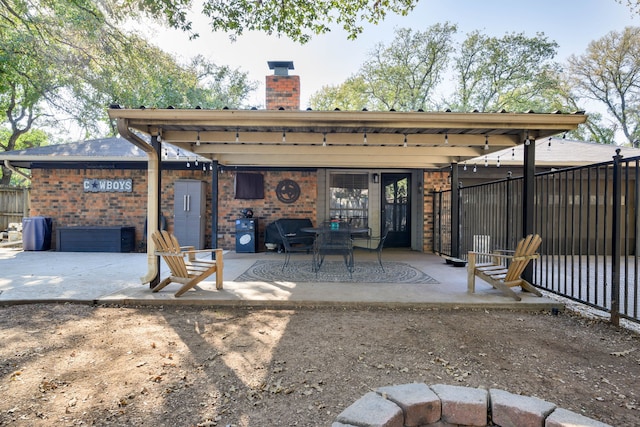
333	242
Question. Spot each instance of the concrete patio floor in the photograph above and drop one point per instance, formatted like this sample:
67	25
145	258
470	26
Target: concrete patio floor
113	278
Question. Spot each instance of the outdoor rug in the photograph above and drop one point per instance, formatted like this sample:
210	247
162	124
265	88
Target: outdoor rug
334	271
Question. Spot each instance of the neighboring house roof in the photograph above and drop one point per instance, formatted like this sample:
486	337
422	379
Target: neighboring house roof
558	153
102	150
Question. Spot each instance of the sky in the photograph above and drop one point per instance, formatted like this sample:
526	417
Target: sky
330	59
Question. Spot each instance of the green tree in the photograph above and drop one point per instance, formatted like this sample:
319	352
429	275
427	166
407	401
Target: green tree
609	73
349	96
404	74
513	72
64	61
401	76
297	19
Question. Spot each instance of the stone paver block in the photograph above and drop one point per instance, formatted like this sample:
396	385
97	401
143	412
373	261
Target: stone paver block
372	410
512	410
565	418
418	402
462	405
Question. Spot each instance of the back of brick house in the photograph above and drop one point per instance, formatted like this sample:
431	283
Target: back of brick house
58	193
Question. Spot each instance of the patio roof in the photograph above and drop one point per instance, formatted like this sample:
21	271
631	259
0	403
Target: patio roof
361	139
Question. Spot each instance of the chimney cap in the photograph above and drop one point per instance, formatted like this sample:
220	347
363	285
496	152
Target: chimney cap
280	67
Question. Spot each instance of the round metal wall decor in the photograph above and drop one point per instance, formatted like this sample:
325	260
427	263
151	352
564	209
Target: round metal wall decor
288	191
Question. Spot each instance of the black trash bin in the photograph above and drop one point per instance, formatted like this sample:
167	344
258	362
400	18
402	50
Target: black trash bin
36	233
246	235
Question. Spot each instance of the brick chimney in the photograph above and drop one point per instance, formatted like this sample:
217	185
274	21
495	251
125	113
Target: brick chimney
283	90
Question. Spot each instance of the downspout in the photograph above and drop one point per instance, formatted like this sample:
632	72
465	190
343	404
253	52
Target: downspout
9	166
152	195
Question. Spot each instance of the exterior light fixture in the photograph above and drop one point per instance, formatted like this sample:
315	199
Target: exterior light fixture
376	178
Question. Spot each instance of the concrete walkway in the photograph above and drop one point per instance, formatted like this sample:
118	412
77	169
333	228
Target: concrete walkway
113	278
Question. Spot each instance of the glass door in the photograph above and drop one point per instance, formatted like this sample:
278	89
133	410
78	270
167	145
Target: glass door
396	208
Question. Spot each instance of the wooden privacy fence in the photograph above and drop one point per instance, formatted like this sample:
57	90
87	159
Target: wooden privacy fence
14	205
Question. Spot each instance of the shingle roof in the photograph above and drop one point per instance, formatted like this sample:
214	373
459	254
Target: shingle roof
558	152
104	149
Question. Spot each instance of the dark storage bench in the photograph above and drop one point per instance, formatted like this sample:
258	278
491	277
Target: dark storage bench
95	239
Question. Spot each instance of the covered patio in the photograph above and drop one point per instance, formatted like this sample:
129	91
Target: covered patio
111	278
333	139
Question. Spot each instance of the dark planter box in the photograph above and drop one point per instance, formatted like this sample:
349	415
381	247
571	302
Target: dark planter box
95	239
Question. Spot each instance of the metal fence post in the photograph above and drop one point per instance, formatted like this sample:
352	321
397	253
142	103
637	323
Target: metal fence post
455	212
615	239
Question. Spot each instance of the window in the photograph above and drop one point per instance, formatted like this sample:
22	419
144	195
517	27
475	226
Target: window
349	198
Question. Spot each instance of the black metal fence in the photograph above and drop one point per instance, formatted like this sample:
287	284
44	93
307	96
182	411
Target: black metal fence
588	218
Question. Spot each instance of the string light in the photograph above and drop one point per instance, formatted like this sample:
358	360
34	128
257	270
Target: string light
465	166
486	142
324	139
527	141
204	167
549	145
196	162
486	161
475	169
446	138
284	136
364	139
165	153
210	166
237	136
498	162
198	139
513	154
405	141
188	164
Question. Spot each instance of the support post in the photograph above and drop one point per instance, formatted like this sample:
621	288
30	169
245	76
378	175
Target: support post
157	146
214	206
455	212
615	239
528	198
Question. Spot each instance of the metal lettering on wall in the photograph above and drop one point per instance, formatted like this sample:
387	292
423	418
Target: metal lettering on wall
108	185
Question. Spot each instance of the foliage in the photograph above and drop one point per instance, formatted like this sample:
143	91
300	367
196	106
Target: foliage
404	74
609	73
297	19
349	96
64	61
513	72
401	76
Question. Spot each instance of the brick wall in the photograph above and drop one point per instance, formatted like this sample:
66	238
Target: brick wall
268	209
283	91
433	181
59	194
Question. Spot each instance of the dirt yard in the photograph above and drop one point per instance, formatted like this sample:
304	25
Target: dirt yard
68	365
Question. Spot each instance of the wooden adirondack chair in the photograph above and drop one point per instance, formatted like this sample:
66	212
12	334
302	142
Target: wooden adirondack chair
504	271
185	267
